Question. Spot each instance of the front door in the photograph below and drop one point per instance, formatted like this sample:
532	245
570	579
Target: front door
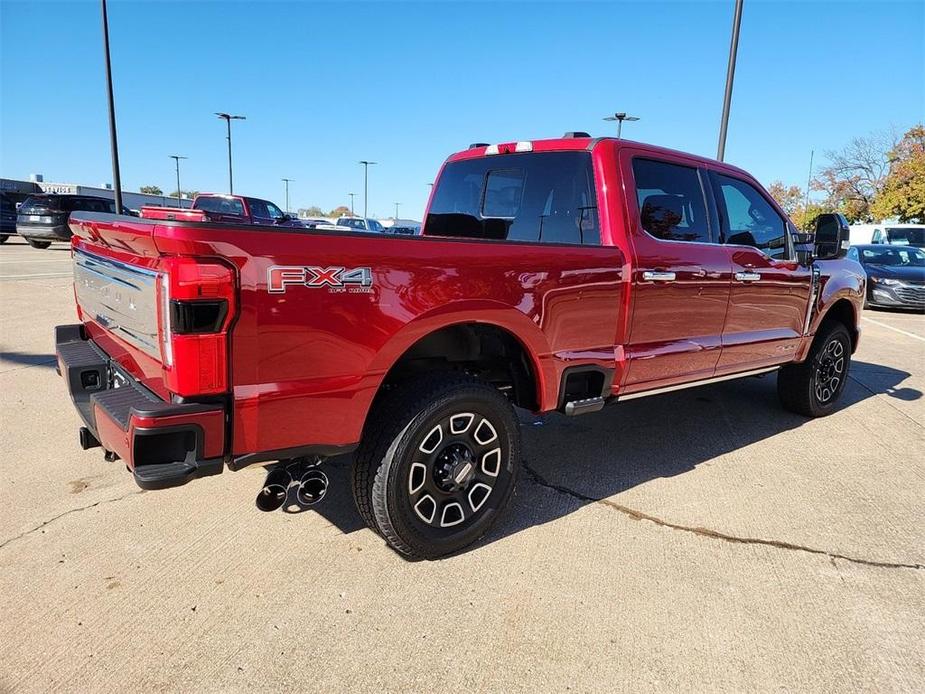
770	289
682	276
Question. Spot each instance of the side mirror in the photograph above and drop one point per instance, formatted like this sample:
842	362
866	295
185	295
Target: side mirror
282	220
832	237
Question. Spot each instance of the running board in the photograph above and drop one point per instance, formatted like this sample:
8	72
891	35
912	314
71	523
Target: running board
694	384
573	408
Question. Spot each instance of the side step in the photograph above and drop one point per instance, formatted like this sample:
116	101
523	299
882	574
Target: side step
573	408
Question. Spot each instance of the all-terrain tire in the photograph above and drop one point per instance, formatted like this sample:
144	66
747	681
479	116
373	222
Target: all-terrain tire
813	387
449	437
39	244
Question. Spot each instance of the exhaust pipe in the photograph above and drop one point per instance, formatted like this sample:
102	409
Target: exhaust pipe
312	487
275	488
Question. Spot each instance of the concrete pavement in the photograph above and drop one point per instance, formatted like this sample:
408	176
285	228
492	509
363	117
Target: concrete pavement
700	541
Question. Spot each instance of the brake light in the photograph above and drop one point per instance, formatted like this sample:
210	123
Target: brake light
510	148
196	307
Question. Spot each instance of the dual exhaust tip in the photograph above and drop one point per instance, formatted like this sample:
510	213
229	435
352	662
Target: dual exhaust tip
312	486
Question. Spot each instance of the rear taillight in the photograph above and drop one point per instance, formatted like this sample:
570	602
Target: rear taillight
196	307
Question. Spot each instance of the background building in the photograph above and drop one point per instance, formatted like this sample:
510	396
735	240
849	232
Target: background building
18	191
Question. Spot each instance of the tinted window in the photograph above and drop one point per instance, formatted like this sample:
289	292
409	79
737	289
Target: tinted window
750	219
351	222
671	202
547	197
374	225
274	211
92	205
220	205
910	236
900	257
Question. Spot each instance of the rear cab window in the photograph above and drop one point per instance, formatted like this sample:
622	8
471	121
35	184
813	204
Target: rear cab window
220	205
672	206
546	197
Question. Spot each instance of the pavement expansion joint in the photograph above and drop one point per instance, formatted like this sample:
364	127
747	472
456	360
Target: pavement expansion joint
538	479
67	513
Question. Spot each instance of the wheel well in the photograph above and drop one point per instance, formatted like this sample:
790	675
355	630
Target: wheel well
843	312
487	351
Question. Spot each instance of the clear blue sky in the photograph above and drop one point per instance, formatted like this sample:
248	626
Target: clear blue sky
325	84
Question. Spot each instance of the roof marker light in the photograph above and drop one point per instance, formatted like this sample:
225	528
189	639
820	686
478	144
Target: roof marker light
491	149
523	147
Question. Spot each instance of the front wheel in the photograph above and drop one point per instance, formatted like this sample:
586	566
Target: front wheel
437	465
3	238
39	244
813	387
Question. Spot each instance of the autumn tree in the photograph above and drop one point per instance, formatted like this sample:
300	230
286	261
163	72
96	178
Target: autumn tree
855	175
341	211
790	198
151	190
903	193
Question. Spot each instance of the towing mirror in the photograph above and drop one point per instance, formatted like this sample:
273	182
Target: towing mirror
831	237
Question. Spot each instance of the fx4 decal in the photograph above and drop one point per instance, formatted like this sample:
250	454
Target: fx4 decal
358	280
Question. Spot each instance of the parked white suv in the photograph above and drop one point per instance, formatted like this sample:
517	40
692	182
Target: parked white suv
360	224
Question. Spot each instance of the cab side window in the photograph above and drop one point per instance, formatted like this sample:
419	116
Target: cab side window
671	201
259	210
750	218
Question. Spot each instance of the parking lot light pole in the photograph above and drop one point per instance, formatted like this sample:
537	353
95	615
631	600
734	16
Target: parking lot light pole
620	117
177	158
730	76
366	164
227	117
352	196
113	141
396	210
287	181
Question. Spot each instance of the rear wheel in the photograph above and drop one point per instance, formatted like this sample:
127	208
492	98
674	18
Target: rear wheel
813	387
38	244
437	465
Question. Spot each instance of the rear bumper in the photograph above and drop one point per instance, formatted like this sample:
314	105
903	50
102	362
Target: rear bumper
44	232
164	444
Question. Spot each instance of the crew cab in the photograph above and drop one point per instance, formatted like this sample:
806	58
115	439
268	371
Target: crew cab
551	275
230	209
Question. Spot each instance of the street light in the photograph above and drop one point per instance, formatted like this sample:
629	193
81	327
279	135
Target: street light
366	164
352	196
227	117
396	210
287	181
177	158
113	143
620	117
730	75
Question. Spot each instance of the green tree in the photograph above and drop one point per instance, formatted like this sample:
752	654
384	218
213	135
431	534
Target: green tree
903	193
855	175
151	190
190	194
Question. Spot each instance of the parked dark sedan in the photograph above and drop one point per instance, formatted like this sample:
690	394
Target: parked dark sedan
43	218
7	218
895	275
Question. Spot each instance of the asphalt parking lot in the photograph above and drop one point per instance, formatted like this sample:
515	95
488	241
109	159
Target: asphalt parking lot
703	540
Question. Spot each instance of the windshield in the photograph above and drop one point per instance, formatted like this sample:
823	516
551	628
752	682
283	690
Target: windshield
351	222
912	236
894	257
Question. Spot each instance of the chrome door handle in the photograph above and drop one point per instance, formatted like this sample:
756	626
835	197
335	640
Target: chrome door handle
658	276
748	276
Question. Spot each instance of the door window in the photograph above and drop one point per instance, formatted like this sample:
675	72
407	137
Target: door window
274	212
671	201
259	210
750	218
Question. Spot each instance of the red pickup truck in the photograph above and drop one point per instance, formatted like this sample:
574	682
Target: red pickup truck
229	209
558	274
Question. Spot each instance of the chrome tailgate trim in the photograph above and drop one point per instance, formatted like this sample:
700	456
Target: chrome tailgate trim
122	298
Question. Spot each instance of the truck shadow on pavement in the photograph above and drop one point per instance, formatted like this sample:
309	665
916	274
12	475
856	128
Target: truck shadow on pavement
597	456
27	359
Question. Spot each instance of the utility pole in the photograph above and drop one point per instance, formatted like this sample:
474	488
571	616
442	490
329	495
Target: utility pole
809	179
177	158
620	117
730	76
287	181
352	196
366	164
113	141
227	117
396	210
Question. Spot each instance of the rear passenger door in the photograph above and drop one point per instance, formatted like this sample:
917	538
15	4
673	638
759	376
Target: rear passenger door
770	289
681	279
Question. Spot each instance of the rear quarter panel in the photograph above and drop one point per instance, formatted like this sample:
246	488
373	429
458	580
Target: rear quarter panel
307	362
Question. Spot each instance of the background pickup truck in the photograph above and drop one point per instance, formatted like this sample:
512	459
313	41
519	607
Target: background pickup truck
557	274
228	209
